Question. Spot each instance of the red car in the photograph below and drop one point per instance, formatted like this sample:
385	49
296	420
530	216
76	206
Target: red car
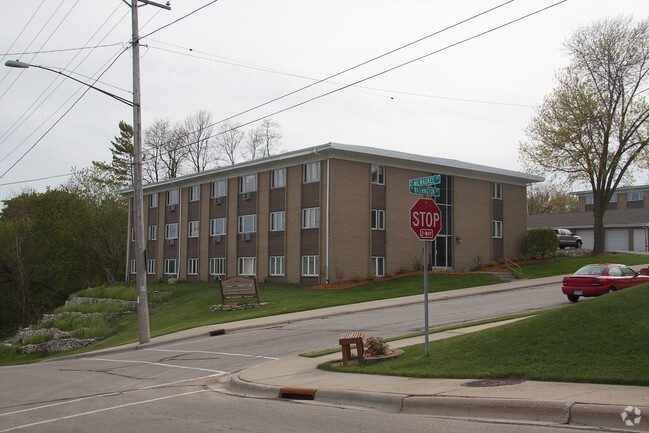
595	280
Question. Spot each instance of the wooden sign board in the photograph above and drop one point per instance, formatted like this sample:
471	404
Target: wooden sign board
238	288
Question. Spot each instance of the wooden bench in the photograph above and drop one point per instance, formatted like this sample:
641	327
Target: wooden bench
346	340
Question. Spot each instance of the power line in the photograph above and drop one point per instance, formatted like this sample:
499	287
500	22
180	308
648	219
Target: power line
19	35
24	116
236	63
36	180
60	118
62	50
447	47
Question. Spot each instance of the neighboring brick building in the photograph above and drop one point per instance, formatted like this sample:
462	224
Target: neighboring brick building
325	214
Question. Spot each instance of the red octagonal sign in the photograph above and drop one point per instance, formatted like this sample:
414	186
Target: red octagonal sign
425	219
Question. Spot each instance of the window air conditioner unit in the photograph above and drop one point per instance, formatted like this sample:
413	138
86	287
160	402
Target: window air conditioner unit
216	239
245	236
247	195
172	207
171	241
218	200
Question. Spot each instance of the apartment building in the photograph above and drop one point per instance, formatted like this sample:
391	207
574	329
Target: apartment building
326	214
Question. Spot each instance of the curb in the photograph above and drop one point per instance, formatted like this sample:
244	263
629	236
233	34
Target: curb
556	412
523	410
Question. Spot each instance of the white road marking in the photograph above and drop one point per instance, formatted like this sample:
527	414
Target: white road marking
77	415
128	361
243	355
109	394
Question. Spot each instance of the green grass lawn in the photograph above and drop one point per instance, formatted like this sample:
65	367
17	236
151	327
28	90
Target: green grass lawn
600	340
568	265
190	305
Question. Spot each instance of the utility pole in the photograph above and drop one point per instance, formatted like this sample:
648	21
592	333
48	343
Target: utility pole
140	240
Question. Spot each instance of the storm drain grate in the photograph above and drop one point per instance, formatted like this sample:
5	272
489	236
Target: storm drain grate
494	382
291	393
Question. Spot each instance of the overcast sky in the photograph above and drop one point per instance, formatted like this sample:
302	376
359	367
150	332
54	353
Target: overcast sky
469	101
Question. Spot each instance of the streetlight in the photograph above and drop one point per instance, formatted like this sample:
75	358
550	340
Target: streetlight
138	199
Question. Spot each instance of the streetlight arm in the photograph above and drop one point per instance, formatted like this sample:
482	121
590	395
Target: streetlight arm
23	65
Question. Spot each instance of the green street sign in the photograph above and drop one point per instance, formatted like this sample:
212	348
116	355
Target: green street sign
424	190
425	181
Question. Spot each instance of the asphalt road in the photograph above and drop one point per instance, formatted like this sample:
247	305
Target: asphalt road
163	388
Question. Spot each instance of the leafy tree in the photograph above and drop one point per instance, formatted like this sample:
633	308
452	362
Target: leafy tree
549	198
593	126
119	172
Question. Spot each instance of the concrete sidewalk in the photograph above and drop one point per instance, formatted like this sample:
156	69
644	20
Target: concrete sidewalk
584	404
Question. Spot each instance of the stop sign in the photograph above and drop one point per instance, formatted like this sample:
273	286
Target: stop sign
425	219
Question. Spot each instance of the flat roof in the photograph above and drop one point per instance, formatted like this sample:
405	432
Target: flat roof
356	153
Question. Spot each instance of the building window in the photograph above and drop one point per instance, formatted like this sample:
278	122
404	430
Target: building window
311	172
378	266
153	232
497	229
220	188
217	266
133	266
193	229
613	198
310	266
153	200
192	266
588	199
247	266
248	183
150	266
173	197
278	178
311	218
277	221
378	174
217	227
497	191
171	266
634	196
194	193
248	223
277	266
171	231
378	219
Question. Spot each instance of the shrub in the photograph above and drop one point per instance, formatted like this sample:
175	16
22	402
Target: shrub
541	242
375	346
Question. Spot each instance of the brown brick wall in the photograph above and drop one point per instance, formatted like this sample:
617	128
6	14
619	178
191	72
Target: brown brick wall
472	221
515	219
349	219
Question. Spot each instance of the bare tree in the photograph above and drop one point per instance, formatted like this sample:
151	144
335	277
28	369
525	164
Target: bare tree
253	145
270	136
200	147
228	140
593	127
165	150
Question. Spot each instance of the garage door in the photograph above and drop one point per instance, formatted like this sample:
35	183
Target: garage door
617	240
639	240
587	238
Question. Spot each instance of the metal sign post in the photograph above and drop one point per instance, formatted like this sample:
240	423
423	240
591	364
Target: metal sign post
426	223
425	262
